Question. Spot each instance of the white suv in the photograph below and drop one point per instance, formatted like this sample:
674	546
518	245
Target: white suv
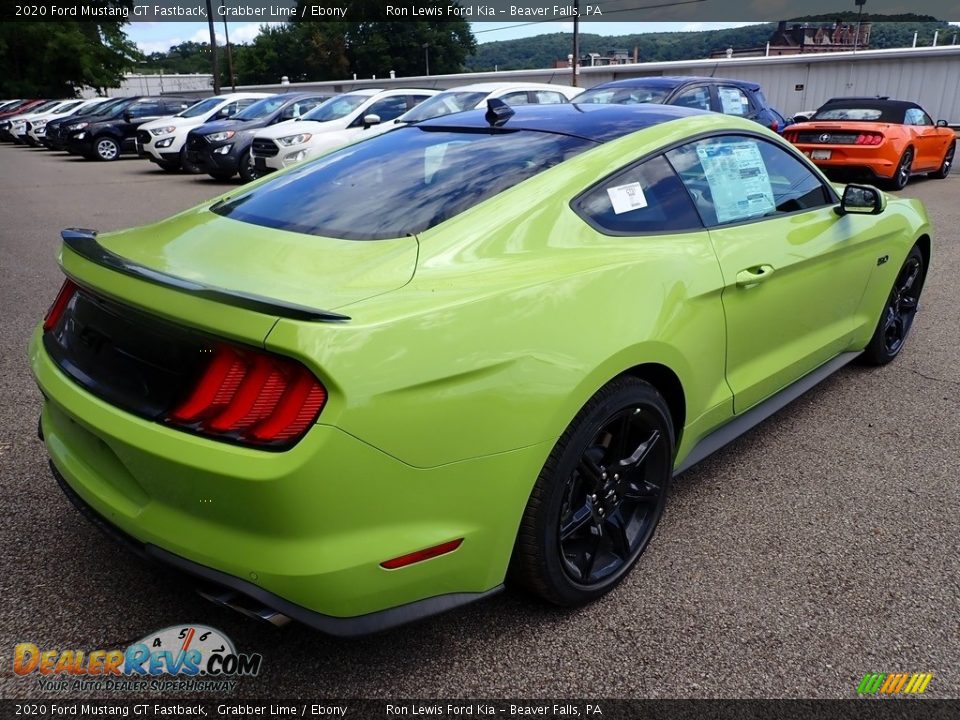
163	141
18	123
37	124
347	115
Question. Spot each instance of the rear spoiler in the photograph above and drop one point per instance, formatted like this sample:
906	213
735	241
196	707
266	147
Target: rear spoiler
84	243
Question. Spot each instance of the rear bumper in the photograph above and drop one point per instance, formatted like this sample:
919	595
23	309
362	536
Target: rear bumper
255	602
851	162
302	531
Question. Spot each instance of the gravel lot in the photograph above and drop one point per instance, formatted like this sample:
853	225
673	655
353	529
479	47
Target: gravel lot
820	546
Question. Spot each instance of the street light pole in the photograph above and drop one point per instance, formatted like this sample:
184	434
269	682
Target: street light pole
426	56
213	49
226	36
859	4
576	42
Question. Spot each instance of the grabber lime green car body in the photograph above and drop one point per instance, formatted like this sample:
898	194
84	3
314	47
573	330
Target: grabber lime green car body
358	392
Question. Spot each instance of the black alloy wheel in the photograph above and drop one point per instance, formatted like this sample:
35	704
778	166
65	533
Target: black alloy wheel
899	312
598	500
902	174
947	163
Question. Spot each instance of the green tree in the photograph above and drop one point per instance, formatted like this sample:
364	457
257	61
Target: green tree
57	58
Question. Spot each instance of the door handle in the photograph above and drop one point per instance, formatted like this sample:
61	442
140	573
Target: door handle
752	276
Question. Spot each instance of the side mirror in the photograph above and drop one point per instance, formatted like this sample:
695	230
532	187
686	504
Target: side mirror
942	123
370	119
861	200
128	116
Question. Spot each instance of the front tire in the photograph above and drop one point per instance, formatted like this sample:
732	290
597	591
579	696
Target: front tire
898	313
106	149
186	165
599	497
248	170
947	163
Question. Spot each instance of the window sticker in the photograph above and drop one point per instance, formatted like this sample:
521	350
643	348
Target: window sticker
732	101
738	180
625	198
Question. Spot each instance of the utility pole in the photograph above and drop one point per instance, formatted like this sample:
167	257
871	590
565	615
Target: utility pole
576	42
856	39
213	49
226	36
426	57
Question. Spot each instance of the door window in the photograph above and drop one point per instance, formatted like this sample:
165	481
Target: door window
733	178
916	116
647	198
148	108
548	97
697	96
516	98
733	101
388	108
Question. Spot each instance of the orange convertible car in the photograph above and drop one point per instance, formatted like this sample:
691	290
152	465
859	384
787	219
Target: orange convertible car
875	139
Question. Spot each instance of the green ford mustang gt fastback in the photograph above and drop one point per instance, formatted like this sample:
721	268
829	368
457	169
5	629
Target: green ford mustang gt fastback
375	386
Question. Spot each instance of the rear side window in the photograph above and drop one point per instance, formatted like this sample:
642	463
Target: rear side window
647	198
733	178
401	182
733	101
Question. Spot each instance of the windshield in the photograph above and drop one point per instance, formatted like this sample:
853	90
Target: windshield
633	95
94	108
66	108
262	108
848	113
445	103
201	108
336	108
41	108
400	183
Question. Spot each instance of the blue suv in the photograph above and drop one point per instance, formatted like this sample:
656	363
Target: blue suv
731	97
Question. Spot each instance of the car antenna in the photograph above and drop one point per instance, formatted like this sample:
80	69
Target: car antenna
498	112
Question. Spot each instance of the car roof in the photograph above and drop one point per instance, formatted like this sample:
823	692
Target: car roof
493	86
599	123
672	81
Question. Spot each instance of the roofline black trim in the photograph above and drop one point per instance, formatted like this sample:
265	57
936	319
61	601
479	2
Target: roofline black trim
84	243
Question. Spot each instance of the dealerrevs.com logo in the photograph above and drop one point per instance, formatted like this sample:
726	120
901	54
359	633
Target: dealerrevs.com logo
182	657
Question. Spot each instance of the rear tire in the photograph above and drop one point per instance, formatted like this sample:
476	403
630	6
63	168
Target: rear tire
599	497
947	163
901	176
898	312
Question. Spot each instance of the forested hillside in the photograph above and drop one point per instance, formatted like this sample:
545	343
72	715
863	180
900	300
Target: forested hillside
541	51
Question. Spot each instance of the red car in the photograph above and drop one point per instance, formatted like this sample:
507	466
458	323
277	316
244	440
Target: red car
875	139
20	108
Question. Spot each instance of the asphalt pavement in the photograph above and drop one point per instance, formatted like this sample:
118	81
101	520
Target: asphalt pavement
818	547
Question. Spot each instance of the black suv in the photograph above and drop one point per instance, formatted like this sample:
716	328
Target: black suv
222	148
105	136
730	97
54	137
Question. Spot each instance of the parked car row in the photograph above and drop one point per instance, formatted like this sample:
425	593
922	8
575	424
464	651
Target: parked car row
251	134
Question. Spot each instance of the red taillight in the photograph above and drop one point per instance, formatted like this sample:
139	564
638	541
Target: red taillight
251	397
774	125
420	555
67	291
869	139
